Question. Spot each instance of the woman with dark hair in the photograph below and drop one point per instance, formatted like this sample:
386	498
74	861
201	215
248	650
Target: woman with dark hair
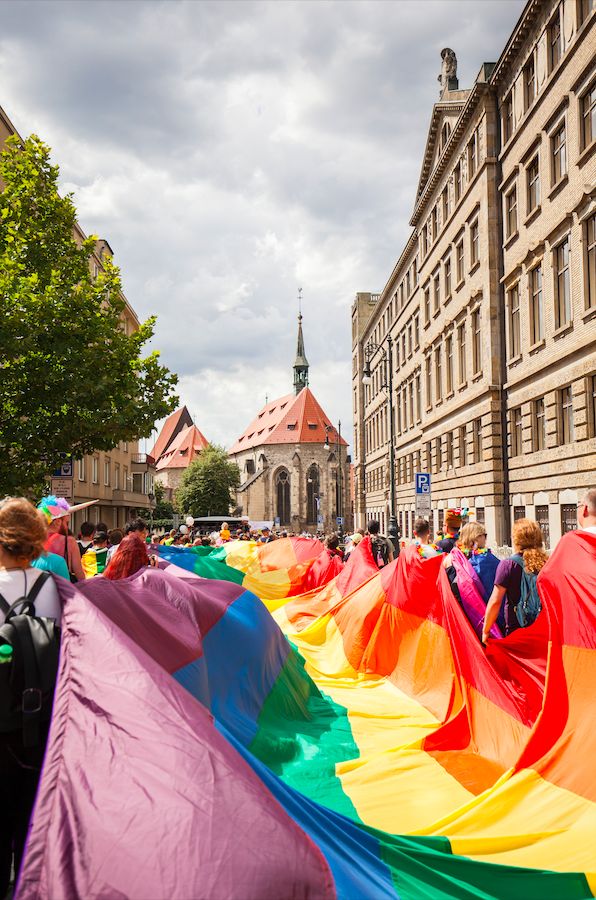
130	556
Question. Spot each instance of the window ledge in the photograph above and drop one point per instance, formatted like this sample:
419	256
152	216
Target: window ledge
460	284
447	299
533	214
476	377
558	186
537	346
462	385
437	312
426	324
474	267
589	314
512	237
564	329
586	153
515	360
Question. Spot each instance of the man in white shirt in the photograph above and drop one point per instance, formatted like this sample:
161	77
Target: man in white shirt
586	512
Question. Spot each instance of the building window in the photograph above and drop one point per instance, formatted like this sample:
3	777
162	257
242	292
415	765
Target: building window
418	400
436	292
312	494
459	256
427	304
282	490
472	156
116	477
457	182
449	363
477	439
411	396
568	517
439	454
519	512
476	342
106	472
474	249
558	145
555	40
461	351
95	470
536	311
480	515
588	108
438	374
82	469
516	431
449	449
511	212
539	425
585	8
125	478
463	451
566	432
507	117
562	285
447	278
543	521
428	373
592	404
440	519
533	182
416	332
590	280
514	322
434	222
529	83
446	204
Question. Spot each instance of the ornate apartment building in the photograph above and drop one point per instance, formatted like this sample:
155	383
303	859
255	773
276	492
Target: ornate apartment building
121	479
490	310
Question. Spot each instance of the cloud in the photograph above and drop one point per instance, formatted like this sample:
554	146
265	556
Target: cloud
233	152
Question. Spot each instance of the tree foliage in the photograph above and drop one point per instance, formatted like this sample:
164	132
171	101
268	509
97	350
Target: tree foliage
163	508
71	380
206	486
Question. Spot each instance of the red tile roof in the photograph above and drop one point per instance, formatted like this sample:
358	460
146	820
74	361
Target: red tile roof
289	420
183	450
172	427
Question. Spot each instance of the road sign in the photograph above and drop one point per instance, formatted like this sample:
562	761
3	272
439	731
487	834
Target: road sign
277	520
340	520
65	469
423	497
62	487
319	519
423	482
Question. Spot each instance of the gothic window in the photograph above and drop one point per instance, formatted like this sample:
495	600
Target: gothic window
312	494
282	489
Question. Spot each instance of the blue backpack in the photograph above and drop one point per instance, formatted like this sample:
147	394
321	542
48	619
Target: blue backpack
529	602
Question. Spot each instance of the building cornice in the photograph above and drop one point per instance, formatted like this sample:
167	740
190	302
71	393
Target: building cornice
524	25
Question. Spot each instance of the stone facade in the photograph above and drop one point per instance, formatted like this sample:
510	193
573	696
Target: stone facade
465	391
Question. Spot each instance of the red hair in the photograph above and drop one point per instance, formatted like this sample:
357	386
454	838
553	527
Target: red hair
130	556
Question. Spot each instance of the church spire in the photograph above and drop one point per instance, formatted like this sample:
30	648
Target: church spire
301	363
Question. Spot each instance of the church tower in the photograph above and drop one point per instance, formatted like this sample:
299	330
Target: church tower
301	363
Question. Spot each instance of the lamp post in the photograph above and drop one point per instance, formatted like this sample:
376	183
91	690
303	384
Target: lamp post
370	350
340	504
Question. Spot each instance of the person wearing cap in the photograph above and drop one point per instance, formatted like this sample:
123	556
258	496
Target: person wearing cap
266	536
57	511
353	542
447	541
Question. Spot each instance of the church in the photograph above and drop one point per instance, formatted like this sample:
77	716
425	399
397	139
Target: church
294	466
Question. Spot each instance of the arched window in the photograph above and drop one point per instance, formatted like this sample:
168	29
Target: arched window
282	488
312	494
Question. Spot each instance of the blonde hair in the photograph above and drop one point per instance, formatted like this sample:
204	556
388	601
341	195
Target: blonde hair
23	528
469	534
527	541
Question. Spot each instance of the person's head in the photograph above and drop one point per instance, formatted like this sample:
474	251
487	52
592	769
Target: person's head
224	526
527	541
23	530
453	520
56	511
87	531
130	556
586	509
373	527
473	535
266	532
138	526
100	540
332	542
114	537
173	533
101	526
422	529
356	538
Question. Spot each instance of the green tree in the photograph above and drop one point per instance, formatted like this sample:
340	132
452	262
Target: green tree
71	380
163	508
206	486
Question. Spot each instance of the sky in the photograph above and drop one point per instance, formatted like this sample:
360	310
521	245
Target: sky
233	152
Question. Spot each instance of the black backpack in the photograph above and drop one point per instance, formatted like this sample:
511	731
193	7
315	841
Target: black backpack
27	682
380	551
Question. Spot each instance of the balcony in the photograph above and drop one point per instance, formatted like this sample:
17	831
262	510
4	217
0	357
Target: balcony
142	462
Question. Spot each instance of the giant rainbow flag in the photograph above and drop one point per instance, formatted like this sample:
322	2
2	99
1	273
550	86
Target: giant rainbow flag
257	722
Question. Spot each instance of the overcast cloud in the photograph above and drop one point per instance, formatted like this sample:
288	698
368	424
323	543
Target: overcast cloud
231	152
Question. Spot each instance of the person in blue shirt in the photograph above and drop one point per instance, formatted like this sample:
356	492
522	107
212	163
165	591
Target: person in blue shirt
51	562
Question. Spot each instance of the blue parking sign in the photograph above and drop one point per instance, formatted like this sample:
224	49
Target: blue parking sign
423	482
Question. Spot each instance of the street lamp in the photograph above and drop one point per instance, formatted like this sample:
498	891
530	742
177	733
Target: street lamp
326	446
386	355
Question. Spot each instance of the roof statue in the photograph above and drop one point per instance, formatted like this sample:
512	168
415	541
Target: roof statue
301	362
448	76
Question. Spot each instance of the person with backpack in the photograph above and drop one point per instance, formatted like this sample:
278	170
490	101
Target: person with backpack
30	611
382	548
515	581
85	541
